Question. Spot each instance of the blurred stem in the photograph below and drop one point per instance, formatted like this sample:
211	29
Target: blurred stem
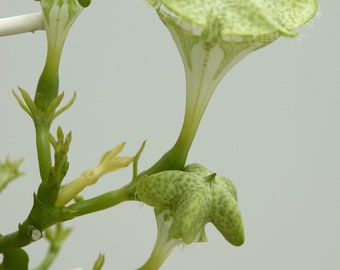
56	238
48	260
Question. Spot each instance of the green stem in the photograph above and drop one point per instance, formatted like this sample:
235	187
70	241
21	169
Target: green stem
176	157
44	151
13	241
102	202
46	92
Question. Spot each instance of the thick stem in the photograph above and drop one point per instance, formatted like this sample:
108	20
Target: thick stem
13	241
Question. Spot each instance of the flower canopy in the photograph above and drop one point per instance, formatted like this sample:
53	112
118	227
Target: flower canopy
211	37
243	18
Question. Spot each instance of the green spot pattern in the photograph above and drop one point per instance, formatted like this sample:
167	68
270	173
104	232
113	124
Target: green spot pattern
195	197
243	17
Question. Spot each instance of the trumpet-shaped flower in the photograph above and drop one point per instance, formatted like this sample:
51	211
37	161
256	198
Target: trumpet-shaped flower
59	16
213	36
190	199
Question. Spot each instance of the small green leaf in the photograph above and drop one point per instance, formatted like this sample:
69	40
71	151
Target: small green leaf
9	171
99	262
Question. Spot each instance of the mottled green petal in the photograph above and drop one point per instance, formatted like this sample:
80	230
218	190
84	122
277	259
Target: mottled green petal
227	184
226	216
219	180
165	188
291	14
244	17
197	169
191	216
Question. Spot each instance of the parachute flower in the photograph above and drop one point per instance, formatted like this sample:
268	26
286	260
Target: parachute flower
213	36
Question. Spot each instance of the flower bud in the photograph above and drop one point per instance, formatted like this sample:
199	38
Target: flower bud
109	162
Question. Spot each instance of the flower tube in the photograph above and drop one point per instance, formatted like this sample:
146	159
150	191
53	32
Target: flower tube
213	36
59	17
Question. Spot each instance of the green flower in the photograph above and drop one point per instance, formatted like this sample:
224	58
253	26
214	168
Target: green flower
59	16
190	199
213	36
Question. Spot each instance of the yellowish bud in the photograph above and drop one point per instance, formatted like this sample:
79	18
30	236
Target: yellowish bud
109	162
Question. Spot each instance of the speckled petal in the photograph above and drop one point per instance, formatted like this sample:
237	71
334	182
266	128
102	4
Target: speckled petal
291	14
220	180
197	169
165	188
227	184
191	216
244	18
226	216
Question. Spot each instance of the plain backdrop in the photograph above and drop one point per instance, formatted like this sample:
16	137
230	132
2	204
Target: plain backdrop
272	127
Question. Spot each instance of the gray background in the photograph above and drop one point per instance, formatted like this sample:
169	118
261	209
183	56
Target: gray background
272	127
